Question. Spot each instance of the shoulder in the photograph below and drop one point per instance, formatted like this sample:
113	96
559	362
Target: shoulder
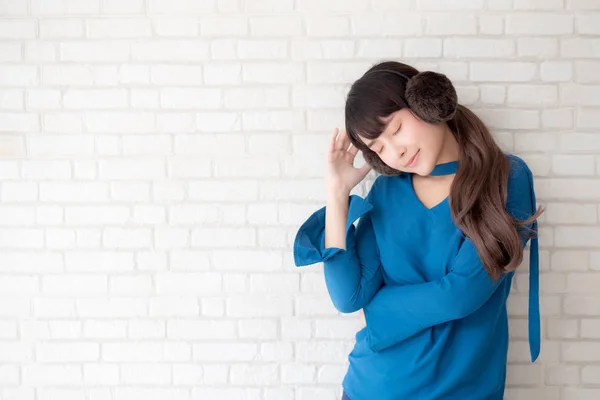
384	186
520	176
520	188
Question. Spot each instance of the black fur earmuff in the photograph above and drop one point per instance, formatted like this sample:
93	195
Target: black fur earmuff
432	96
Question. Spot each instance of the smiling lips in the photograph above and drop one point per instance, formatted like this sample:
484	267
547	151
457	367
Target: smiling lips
413	160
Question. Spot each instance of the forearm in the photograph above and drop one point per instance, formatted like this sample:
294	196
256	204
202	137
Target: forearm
397	312
352	265
351	278
336	216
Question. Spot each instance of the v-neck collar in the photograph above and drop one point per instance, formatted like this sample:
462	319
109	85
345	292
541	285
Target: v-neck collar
447	168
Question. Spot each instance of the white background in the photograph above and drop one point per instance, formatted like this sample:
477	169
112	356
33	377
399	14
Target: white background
158	156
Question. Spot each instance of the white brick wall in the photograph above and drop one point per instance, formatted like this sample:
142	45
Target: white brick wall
157	157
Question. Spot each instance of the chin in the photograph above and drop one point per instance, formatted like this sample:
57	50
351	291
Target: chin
423	170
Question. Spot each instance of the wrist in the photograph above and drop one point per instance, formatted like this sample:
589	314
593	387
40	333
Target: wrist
338	194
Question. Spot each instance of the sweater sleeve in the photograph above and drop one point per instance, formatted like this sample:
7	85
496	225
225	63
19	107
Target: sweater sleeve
353	275
398	312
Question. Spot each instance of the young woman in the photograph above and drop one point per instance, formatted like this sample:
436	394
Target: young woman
440	234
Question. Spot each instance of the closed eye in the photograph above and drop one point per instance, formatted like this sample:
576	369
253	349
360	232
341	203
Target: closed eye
393	134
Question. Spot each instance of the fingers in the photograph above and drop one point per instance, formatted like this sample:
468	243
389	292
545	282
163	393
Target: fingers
340	140
344	139
332	142
353	150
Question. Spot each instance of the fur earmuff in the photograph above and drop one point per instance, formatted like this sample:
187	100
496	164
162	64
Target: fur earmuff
432	97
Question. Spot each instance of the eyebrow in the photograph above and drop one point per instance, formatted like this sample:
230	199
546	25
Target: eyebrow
384	129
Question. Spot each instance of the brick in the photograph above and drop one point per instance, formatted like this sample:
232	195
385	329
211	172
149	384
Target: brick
580	48
123	7
96	51
187	98
569	260
63	28
180	6
588	118
119	122
95	99
587	24
510	119
224	26
254	375
556	71
377	24
524	375
590	328
67	352
539	24
12	75
575	165
548	393
132	169
579	282
175	26
276	26
12	147
365	48
444	5
503	71
540	47
426	48
450	24
40	51
559	118
479	48
126	238
583	5
170	51
578	305
11	99
538	4
17	29
272	121
580	351
43	375
562	375
176	75
340	73
13	7
582	95
328	26
144	374
118	28
536	95
19	191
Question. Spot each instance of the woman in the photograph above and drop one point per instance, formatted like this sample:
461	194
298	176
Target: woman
439	236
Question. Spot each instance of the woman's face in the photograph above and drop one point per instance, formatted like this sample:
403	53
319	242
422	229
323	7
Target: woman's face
409	144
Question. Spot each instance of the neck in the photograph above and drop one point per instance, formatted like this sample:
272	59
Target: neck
450	149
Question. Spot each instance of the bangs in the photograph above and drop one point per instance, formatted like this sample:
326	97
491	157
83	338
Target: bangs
370	101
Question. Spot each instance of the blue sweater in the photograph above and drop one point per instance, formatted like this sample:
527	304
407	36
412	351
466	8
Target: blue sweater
436	323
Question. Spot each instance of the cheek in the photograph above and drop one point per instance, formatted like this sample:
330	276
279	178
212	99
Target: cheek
427	136
391	161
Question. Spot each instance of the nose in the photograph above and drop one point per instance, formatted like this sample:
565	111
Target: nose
398	146
401	151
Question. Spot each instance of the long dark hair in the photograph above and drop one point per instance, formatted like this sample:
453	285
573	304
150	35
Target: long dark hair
478	193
